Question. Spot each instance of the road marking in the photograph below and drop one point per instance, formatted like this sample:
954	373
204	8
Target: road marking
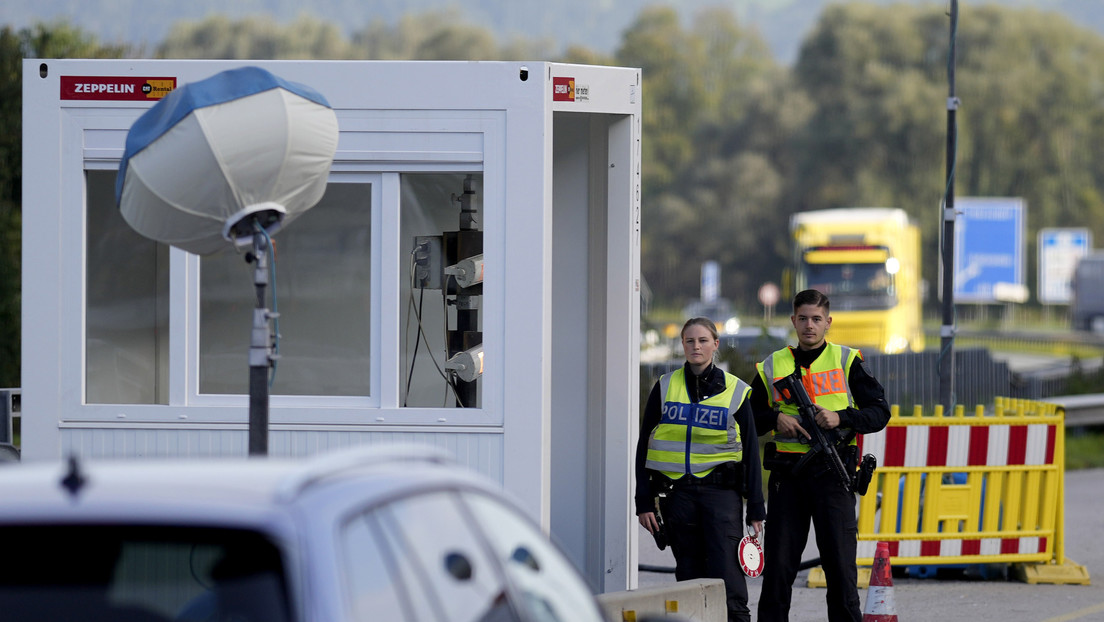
1077	615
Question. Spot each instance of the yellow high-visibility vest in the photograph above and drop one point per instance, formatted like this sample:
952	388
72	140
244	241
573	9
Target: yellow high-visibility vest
693	437
825	381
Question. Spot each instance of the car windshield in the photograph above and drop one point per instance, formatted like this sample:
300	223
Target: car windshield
853	286
129	573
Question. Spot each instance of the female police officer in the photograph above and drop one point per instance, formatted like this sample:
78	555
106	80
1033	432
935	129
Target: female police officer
699	452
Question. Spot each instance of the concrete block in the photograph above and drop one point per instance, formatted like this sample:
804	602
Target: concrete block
700	600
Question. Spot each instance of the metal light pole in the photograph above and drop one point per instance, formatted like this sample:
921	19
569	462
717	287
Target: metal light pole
947	330
261	355
227	198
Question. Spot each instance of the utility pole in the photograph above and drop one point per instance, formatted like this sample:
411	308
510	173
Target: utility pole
947	329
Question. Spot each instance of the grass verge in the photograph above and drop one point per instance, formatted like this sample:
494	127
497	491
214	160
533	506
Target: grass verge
1084	449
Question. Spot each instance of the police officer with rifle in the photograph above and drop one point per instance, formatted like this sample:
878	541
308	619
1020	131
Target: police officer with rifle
820	445
814	398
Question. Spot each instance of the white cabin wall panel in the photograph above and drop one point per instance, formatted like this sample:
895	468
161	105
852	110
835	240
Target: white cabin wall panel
527	309
481	452
621	408
571	367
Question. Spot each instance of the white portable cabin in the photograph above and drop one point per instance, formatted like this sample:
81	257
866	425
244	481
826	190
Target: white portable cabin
134	349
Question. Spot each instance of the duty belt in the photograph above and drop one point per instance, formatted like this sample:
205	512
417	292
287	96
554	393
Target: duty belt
719	476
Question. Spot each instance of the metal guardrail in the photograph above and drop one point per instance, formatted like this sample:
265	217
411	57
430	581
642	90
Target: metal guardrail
1081	410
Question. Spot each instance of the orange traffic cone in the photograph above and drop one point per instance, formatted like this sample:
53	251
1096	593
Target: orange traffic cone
880	606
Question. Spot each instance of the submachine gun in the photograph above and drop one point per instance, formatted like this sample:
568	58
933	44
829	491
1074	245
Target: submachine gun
793	392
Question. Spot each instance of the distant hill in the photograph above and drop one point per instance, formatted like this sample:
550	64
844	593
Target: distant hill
595	24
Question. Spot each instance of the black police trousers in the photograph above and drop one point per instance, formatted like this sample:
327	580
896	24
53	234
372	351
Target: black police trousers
792	502
704	525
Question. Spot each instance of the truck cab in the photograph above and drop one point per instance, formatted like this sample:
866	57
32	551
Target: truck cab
867	261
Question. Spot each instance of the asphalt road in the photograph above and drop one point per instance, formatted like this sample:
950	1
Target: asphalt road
952	595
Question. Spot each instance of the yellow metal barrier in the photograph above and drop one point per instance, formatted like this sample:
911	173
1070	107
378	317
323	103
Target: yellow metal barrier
970	490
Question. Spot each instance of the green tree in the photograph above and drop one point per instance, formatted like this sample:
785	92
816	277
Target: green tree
439	35
258	37
1029	124
1032	116
43	41
426	36
878	134
11	123
584	56
1032	112
713	150
674	93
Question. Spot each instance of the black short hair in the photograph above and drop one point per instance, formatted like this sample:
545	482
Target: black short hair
811	297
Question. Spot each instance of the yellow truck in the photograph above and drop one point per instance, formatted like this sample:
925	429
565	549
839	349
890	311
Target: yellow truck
867	260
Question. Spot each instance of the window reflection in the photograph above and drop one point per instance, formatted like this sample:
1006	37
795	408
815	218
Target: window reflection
322	284
127	298
438	565
374	579
550	588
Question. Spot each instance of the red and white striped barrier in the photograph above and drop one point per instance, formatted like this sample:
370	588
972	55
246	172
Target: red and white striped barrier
925	453
961	445
956	547
979	489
